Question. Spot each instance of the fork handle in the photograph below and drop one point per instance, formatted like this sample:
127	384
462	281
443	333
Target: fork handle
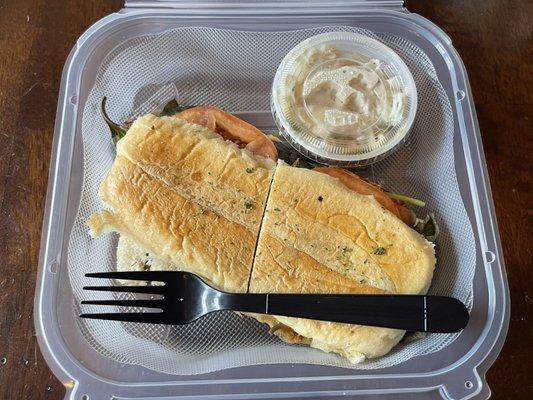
407	312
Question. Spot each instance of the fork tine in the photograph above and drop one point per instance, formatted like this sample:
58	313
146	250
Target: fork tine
151	318
127	303
129	289
161	276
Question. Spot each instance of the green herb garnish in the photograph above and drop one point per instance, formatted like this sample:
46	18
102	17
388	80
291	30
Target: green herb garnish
380	250
145	266
249	170
248	204
200	211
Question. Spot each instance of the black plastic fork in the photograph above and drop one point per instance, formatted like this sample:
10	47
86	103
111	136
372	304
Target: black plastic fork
184	297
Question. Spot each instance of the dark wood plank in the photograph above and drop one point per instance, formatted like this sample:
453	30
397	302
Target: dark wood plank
494	38
35	39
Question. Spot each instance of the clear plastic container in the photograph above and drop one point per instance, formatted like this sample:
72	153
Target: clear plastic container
457	371
342	98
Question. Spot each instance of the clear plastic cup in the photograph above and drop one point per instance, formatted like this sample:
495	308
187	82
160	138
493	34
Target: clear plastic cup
342	98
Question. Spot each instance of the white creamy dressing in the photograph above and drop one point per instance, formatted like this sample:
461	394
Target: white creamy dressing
344	95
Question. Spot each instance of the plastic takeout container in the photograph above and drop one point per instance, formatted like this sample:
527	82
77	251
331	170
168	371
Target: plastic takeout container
348	138
456	371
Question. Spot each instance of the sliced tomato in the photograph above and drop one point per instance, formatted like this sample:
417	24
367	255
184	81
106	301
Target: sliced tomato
231	128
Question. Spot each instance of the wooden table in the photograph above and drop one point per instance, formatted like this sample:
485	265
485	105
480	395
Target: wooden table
494	38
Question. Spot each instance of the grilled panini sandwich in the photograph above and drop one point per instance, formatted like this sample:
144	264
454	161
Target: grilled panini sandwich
183	198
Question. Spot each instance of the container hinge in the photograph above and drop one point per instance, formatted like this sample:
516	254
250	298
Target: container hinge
264	7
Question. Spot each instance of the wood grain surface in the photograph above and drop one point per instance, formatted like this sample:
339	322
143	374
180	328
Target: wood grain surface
494	38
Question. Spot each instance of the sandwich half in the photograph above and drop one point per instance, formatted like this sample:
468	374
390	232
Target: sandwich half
319	236
179	191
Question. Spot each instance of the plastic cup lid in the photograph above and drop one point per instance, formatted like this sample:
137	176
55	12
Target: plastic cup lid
344	97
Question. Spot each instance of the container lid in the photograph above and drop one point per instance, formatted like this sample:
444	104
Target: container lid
342	97
458	371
